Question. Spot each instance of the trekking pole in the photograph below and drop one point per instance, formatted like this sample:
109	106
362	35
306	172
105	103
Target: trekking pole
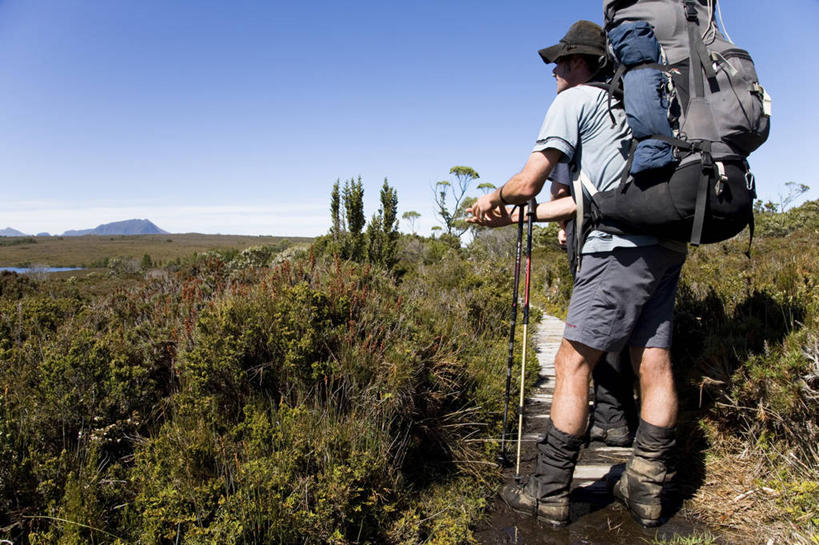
502	460
530	213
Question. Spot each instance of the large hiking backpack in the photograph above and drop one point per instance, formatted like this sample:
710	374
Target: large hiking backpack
696	110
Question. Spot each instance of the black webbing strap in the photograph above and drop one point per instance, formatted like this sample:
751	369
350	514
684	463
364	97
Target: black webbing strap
653	66
676	142
697	51
627	168
613	85
751	238
702	194
694	54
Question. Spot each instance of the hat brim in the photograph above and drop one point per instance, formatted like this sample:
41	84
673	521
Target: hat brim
555	52
551	54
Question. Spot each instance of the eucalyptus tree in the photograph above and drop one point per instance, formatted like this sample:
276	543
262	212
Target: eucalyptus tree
411	216
451	199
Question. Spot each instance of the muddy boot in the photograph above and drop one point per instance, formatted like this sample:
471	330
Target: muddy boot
647	470
546	493
618	436
551	482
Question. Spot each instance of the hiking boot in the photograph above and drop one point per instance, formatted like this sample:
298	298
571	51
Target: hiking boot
551	482
614	437
641	485
520	501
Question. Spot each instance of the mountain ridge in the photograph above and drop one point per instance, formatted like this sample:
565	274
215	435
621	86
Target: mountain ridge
124	227
11	232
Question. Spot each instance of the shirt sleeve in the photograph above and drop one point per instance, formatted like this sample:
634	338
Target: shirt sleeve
561	174
560	126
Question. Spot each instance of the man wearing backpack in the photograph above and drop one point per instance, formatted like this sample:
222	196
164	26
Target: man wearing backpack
623	293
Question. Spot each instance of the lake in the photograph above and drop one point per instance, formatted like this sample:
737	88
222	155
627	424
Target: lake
25	270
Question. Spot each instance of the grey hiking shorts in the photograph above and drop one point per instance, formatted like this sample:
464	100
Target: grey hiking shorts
625	297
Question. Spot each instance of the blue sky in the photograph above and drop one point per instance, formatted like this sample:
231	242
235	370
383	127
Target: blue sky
238	116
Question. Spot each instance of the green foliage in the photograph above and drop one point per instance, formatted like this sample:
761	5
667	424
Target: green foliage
770	222
17	241
337	226
382	233
345	239
231	400
411	216
744	327
451	200
353	198
15	286
798	499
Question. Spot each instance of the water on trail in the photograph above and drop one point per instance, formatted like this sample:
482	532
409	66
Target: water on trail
596	518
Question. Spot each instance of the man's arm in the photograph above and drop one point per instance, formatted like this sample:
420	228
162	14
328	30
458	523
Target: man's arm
521	187
559	189
559	209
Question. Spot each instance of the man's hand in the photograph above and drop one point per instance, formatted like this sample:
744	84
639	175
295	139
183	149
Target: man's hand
561	237
498	216
487	208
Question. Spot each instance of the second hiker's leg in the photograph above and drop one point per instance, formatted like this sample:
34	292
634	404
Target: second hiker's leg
614	413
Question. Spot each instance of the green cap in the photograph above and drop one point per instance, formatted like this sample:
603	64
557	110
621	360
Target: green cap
583	38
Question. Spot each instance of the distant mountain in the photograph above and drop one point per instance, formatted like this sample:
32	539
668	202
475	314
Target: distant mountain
126	227
9	232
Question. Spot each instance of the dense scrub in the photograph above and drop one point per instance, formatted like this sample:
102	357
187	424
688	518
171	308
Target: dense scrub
311	401
257	397
747	351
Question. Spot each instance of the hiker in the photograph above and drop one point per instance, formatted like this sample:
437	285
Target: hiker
614	414
623	293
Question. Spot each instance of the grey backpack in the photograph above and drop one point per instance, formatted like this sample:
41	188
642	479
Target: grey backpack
717	114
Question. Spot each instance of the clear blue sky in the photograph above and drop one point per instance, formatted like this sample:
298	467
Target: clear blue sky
238	116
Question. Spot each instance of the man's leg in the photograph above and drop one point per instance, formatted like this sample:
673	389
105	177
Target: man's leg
570	405
657	392
546	493
650	466
558	451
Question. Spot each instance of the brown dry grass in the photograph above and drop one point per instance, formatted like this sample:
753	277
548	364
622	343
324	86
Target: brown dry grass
87	250
742	494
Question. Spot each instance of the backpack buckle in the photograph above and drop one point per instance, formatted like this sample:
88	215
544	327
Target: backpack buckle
750	181
690	10
719	187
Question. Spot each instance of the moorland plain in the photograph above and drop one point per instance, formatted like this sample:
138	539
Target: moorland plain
93	250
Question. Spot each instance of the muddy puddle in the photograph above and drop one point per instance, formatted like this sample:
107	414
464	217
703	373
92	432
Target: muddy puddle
591	525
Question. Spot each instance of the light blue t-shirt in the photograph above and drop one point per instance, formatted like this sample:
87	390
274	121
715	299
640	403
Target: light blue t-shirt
578	124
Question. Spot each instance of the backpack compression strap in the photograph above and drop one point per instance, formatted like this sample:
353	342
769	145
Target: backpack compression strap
580	182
